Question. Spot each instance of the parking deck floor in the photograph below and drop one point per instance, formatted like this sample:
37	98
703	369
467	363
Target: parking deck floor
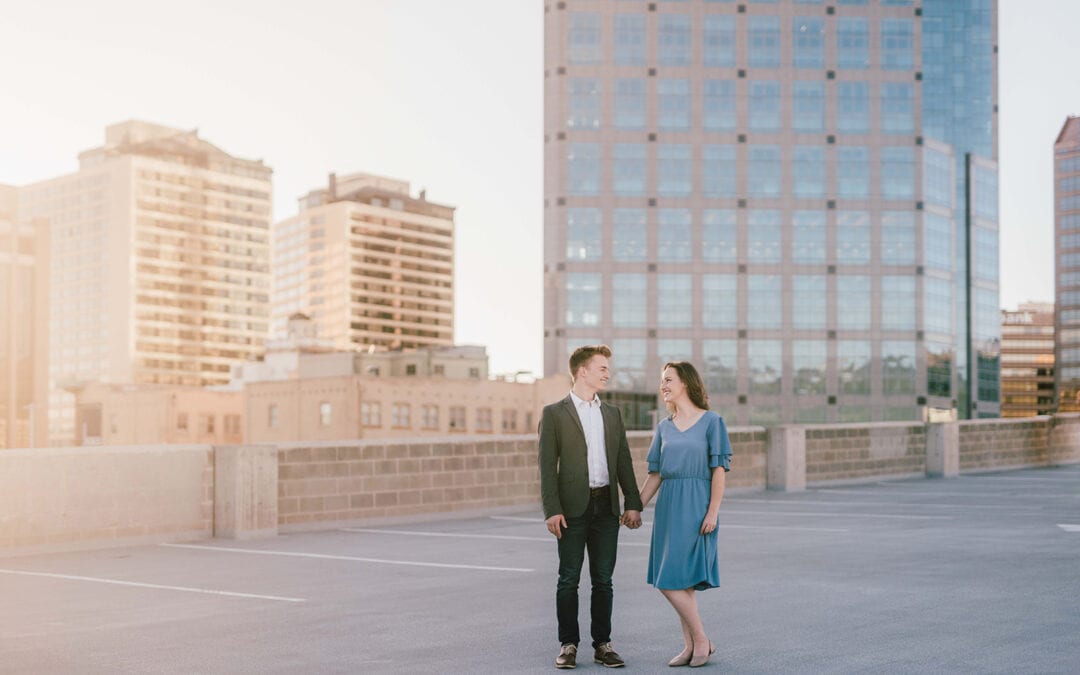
976	574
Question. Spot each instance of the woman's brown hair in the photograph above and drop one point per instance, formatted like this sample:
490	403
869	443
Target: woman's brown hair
695	387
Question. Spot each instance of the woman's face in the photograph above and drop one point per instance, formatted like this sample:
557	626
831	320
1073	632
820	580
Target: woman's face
671	387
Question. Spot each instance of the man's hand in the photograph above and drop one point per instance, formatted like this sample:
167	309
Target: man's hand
631	519
555	525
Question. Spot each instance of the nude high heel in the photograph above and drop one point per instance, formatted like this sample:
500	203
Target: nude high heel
697	663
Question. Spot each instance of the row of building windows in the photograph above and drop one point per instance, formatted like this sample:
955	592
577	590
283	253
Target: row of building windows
206	423
401	417
809	299
761	105
719	171
721	38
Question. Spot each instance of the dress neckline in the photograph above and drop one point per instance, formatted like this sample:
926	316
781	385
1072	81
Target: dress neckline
698	420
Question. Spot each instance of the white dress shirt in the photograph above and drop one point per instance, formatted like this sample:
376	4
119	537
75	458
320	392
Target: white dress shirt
592	423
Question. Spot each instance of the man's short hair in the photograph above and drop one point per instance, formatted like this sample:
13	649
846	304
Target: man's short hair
583	354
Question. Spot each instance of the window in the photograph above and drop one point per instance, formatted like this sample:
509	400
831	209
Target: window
808	171
630	368
853	238
272	416
181	421
764	238
673	103
897	44
438	369
937	305
674	300
718	105
809	301
764	173
898	238
719	300
808	237
673	40
630	103
583	234
898	303
719	232
766	365
628	240
457	418
630	39
897	108
324	414
718	171
509	421
808	107
808	366
583	169
232	425
937	241
852	44
718	46
853	107
672	350
483	420
808	40
410	369
937	177
764	47
898	173
853	172
582	299
429	417
674	170
400	414
853	302
206	424
898	367
629	295
853	362
765	302
370	414
673	235
721	359
583	106
939	358
474	373
764	105
629	170
583	39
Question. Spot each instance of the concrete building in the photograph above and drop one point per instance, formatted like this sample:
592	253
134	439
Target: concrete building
160	251
371	265
24	327
1027	361
800	198
157	414
1067	268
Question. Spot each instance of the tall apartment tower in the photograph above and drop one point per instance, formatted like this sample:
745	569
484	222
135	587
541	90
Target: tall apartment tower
1067	268
370	265
799	197
24	327
160	274
1027	360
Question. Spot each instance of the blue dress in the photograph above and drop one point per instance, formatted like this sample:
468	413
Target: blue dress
680	556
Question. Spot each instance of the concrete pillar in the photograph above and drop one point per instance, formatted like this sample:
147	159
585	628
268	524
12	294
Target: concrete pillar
786	459
245	491
943	450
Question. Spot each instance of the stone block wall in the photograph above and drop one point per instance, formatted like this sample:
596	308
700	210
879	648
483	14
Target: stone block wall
76	497
321	482
1064	438
1000	444
846	452
747	456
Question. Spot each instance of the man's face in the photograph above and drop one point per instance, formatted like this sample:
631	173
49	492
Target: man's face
595	373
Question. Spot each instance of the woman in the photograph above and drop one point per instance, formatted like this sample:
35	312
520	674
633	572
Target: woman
689	455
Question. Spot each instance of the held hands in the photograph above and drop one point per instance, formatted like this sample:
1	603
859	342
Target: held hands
709	523
555	525
631	519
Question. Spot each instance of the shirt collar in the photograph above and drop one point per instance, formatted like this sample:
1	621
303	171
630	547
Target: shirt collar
578	401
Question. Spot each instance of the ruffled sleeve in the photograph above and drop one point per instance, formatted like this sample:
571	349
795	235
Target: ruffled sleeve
719	444
654	452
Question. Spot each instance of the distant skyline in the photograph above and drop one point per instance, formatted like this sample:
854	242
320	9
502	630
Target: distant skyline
447	96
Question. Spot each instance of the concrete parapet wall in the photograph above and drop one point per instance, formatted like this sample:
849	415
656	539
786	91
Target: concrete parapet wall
1000	444
87	497
1064	439
748	445
847	452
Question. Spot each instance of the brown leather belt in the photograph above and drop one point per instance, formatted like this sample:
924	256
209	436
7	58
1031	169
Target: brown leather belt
600	491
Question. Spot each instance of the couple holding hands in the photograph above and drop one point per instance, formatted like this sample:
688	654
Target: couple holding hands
585	459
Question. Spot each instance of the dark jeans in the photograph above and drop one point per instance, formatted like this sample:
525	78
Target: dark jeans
597	530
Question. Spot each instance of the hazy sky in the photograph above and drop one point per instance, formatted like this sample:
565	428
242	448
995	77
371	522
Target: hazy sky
446	95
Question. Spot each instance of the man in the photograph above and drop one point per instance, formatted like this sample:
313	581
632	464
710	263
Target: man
584	459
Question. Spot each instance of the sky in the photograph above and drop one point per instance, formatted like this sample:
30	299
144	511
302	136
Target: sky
445	95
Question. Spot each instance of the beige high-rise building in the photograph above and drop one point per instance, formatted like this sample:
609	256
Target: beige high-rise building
371	265
24	327
1027	360
160	251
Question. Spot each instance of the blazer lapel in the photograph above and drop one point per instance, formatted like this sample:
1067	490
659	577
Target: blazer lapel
611	444
571	412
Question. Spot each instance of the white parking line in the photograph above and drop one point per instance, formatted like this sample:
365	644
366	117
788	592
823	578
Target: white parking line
837	514
137	584
323	556
722	525
1009	507
457	535
1038	479
1069	528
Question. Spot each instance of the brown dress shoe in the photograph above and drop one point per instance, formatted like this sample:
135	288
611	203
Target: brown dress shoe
605	655
567	657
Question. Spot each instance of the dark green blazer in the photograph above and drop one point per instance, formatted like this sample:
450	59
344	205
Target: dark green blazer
564	461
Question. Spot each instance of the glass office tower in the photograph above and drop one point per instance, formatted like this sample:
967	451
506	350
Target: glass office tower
766	189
